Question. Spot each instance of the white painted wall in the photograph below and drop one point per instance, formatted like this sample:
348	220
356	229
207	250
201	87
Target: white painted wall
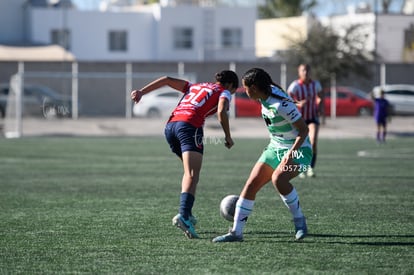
89	32
391	37
340	22
149	32
388	32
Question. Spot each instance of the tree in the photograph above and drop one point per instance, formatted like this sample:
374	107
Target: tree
285	8
328	52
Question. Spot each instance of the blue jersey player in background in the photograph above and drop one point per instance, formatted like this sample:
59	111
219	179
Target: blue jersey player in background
382	112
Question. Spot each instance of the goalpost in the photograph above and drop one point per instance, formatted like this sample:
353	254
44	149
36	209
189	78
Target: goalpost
13	115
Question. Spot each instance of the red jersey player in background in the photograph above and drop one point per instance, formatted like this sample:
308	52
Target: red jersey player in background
308	95
184	131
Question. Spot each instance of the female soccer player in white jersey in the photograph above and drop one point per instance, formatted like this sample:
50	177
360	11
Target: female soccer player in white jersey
288	153
184	131
308	95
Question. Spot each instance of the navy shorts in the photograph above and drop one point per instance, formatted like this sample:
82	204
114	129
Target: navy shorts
183	137
313	120
381	121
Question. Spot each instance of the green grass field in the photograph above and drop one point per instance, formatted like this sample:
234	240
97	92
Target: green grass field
104	206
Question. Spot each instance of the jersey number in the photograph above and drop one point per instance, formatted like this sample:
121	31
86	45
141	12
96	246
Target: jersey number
197	96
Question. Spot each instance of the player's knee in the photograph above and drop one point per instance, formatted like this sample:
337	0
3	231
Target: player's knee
279	178
276	179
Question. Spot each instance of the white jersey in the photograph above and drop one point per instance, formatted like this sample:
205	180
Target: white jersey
279	116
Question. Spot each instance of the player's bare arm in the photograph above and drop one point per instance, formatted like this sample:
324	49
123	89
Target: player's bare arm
299	103
177	84
303	131
223	106
319	101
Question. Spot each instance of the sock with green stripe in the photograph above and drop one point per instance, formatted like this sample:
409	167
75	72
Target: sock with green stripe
291	200
244	208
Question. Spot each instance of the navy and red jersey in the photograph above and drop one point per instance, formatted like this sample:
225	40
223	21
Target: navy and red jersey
300	90
200	100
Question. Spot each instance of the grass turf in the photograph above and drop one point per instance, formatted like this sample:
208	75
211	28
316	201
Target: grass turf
104	205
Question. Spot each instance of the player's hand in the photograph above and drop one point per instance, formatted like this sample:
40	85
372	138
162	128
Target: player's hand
136	96
300	103
228	142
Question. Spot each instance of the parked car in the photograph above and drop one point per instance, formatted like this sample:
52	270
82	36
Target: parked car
159	103
400	96
350	101
246	107
37	101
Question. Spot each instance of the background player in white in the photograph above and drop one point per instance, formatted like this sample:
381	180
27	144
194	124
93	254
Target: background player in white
288	153
309	97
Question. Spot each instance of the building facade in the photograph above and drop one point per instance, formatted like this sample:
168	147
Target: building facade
275	36
148	32
390	36
188	31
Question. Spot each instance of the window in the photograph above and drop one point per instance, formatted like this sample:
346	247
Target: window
118	41
183	38
61	37
231	38
400	92
343	95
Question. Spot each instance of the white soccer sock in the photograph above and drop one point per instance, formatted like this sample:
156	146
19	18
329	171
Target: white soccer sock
243	209
291	200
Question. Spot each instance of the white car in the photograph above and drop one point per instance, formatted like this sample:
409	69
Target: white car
159	103
400	96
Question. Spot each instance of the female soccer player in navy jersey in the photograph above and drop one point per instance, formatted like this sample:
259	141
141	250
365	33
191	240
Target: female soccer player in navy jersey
308	94
184	131
288	153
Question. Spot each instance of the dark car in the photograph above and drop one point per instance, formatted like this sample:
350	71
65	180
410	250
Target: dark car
246	107
38	101
350	101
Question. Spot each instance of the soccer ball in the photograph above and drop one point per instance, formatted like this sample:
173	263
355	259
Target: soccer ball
228	206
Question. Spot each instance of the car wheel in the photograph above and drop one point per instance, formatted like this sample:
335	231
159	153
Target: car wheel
153	113
364	111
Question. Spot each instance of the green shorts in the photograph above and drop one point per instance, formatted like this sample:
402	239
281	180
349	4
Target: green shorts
272	156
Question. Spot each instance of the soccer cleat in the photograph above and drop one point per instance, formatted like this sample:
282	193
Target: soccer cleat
229	237
193	220
185	225
310	173
301	229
